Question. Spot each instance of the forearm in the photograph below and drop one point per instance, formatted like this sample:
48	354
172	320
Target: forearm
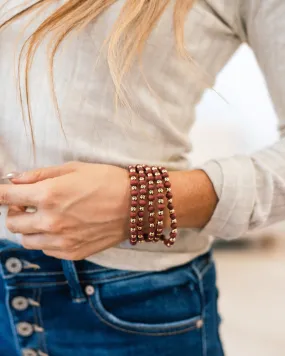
250	193
194	198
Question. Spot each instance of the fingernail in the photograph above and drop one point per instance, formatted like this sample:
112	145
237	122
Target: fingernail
12	175
30	209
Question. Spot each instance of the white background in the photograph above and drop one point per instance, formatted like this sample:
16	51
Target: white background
238	117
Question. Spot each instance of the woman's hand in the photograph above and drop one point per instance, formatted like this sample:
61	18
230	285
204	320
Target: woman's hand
81	208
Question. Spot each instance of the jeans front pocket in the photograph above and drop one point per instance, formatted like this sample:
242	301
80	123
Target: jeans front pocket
156	304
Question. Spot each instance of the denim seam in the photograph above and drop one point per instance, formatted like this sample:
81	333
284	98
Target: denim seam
28	274
10	276
116	278
11	320
193	327
36	285
36	321
201	287
43	334
92	270
206	269
103	280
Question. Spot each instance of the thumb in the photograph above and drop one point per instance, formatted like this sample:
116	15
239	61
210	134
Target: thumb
41	174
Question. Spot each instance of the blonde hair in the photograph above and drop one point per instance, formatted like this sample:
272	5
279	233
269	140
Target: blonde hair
126	42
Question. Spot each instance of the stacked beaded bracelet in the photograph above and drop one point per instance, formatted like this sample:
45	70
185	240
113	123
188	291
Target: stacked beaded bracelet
160	204
142	202
150	187
167	185
150	235
134	205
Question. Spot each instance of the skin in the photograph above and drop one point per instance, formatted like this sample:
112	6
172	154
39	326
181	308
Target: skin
83	208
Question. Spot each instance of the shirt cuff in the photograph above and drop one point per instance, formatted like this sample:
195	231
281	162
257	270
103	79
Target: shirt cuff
234	182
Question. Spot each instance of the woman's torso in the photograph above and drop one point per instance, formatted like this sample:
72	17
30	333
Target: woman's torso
154	131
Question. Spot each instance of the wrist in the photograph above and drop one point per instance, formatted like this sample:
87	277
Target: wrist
194	198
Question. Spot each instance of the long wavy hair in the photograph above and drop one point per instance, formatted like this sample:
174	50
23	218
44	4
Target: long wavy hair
125	44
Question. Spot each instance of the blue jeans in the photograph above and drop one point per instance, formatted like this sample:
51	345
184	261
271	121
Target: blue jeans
62	308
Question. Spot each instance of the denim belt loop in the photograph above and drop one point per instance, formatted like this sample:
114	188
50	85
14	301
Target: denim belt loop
71	275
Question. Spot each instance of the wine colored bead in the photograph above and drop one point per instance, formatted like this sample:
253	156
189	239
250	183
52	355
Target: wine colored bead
134	193
170	206
172	216
140	224
151	209
169	195
151	197
140	214
161	206
173	234
133	215
151	219
173	226
151	186
160	196
134	203
143	191
160	218
159	185
134	183
167	243
165	175
142	203
133	242
132	226
167	184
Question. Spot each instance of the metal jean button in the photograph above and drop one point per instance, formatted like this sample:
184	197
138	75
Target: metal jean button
29	352
24	329
20	303
13	265
89	290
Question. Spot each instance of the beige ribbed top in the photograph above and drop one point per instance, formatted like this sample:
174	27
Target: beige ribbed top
251	189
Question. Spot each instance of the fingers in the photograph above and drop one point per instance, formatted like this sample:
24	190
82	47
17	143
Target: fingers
24	223
53	243
86	250
44	173
20	195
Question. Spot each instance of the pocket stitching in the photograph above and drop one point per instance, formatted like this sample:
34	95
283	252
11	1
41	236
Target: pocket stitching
100	317
103	316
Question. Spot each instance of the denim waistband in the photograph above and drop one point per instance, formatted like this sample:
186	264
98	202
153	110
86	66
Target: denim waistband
35	269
